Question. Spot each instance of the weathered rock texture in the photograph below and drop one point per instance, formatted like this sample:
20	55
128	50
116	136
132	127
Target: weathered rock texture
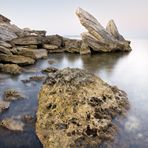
76	109
11	68
100	39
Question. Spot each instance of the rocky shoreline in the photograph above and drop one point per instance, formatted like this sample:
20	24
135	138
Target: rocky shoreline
76	108
21	47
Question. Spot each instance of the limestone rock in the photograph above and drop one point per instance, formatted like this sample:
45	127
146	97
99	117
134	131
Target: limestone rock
56	40
98	38
16	59
72	45
4	19
27	40
11	68
32	53
50	47
12	95
4	105
12	124
5	50
76	109
111	28
84	48
5	44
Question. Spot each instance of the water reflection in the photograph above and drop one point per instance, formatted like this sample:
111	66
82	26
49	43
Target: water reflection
128	71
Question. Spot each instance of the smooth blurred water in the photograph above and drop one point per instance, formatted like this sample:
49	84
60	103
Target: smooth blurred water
128	71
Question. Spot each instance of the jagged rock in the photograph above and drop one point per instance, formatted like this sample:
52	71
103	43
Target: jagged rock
32	53
27	40
99	39
12	124
4	19
5	50
16	59
6	34
12	95
11	68
5	44
76	109
113	31
4	105
72	45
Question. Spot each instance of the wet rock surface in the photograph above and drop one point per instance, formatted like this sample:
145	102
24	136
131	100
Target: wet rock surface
4	105
12	124
12	95
76	109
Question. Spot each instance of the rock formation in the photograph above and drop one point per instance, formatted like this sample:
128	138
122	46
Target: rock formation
21	47
76	109
100	39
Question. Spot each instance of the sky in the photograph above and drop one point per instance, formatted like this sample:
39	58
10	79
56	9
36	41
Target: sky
58	16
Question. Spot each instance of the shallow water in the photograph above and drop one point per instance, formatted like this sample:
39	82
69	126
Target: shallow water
129	71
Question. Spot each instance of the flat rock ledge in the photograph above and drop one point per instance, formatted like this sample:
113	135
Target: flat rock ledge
76	109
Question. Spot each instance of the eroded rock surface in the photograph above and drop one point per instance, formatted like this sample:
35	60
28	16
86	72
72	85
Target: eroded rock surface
16	59
100	39
12	124
76	109
12	95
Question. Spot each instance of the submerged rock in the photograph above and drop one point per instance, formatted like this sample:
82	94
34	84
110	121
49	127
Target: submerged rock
76	109
50	70
100	39
4	105
11	68
12	95
12	124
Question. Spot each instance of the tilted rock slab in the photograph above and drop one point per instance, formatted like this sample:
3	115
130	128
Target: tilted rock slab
100	39
76	109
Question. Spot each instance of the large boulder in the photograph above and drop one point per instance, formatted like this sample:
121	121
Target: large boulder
76	109
16	59
100	39
32	53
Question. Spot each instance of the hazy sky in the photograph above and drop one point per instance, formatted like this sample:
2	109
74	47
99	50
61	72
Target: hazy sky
58	16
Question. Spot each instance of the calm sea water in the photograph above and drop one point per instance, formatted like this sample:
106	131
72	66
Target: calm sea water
129	71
